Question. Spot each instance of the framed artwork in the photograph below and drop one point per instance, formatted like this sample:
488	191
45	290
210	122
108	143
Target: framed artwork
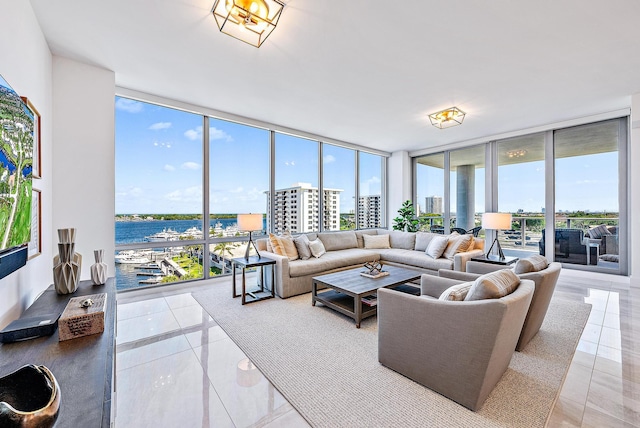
36	172
35	244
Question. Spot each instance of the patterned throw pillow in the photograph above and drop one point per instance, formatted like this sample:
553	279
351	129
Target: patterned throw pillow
457	244
493	285
534	263
457	292
302	245
437	246
317	248
376	242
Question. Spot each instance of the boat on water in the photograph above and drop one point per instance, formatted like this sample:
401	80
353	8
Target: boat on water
192	233
166	235
131	257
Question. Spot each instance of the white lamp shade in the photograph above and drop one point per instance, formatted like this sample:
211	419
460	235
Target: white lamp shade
496	221
249	222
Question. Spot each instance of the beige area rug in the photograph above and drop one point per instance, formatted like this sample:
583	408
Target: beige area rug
329	370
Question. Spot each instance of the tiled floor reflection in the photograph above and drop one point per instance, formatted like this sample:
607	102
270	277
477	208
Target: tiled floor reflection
176	368
602	387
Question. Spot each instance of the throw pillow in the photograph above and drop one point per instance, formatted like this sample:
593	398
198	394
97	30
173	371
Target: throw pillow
457	292
599	231
317	248
437	246
283	245
302	245
422	240
456	244
534	263
493	285
376	242
276	245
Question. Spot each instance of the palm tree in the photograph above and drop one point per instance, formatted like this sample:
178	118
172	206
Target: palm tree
224	248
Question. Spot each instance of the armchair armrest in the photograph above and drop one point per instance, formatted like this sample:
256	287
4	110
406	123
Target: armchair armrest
431	285
482	268
460	276
460	260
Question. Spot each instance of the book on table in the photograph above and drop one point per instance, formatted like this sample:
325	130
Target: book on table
378	275
371	300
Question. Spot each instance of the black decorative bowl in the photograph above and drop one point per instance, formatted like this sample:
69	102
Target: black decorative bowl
29	398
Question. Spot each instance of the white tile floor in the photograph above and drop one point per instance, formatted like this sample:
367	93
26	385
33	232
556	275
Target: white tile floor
176	367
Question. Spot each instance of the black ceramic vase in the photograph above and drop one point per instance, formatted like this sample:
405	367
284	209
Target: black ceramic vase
29	398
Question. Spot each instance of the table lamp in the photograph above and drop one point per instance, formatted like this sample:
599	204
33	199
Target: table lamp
497	222
250	223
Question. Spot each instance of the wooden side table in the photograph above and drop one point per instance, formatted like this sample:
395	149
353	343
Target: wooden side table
262	293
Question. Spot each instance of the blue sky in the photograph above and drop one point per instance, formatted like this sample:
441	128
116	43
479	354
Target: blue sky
159	163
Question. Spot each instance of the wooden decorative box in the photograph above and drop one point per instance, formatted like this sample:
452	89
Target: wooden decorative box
78	321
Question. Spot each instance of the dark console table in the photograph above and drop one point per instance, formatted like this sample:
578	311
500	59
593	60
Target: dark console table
84	367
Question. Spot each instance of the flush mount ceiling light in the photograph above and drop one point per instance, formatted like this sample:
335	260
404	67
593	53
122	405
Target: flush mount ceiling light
516	153
447	118
250	21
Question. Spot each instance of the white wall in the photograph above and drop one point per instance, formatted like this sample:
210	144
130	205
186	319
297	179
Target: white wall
634	192
399	183
26	66
84	157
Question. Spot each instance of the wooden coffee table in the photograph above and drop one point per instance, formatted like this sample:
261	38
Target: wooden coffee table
345	289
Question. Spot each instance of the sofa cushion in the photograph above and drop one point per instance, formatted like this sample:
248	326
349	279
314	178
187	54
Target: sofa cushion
283	245
360	233
437	246
334	241
302	245
317	248
423	239
457	244
414	258
400	239
376	241
457	292
493	285
331	260
534	263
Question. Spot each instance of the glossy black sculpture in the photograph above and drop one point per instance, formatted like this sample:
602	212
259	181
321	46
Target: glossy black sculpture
29	398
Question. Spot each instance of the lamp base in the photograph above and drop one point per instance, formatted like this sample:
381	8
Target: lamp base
246	253
500	253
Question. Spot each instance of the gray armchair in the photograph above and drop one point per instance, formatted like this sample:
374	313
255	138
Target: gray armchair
545	284
458	349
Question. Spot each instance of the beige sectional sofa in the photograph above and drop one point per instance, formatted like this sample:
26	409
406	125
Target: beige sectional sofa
346	249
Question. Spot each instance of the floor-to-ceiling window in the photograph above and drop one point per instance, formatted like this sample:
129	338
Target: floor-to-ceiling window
430	192
521	192
467	189
570	184
158	200
371	178
238	184
339	186
587	204
297	200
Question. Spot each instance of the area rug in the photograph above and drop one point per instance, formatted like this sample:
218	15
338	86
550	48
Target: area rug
329	370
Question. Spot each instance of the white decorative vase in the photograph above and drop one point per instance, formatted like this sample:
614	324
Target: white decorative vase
67	264
99	269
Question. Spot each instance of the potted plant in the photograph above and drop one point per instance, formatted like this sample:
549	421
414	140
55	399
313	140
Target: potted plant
406	220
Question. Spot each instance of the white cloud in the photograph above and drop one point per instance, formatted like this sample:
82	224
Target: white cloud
160	125
191	165
131	191
329	159
168	146
155	143
237	190
185	196
194	134
214	134
130	106
169	167
290	163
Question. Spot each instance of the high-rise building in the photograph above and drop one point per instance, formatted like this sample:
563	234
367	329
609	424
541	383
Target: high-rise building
369	214
297	209
433	205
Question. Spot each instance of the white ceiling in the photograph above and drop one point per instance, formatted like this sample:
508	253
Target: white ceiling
369	71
